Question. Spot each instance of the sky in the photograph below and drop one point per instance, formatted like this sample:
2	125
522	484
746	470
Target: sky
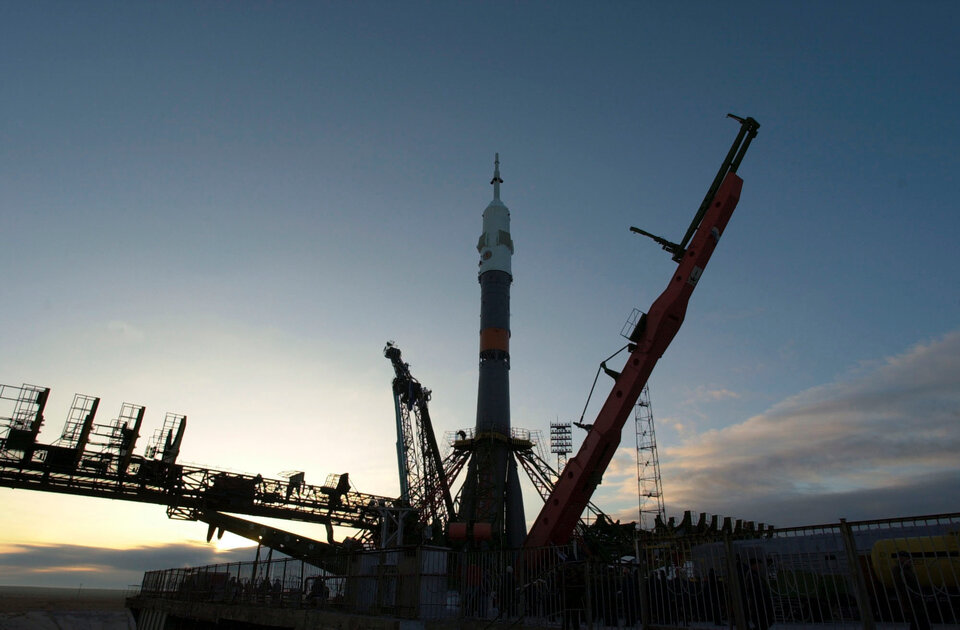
225	210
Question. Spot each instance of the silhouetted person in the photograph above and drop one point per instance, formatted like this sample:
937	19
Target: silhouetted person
277	590
319	593
573	596
231	592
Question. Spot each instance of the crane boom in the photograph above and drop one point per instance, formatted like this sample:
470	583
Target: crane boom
650	339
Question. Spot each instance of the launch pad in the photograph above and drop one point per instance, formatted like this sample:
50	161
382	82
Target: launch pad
487	515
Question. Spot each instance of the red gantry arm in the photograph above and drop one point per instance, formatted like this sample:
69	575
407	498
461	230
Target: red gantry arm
654	332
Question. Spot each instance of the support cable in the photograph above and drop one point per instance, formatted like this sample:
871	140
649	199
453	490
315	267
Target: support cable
603	367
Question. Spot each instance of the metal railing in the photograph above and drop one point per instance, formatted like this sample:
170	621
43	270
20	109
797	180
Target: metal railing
889	573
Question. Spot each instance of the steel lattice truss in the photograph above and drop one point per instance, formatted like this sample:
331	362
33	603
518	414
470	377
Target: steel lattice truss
544	477
424	482
97	460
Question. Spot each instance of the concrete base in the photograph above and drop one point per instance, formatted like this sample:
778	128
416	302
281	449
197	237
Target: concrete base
157	611
75	620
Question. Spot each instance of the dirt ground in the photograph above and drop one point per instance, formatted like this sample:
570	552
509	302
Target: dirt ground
25	599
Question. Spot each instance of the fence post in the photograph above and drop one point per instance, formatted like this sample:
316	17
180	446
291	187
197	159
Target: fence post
587	596
418	581
460	566
853	561
734	585
644	594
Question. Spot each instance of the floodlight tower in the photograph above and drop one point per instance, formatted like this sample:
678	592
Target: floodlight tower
561	442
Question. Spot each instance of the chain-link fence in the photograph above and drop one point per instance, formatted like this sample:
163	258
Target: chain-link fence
891	573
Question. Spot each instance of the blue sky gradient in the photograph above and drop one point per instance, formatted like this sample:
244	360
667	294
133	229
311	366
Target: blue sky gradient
226	209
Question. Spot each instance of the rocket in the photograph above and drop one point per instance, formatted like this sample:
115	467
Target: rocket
495	276
491	492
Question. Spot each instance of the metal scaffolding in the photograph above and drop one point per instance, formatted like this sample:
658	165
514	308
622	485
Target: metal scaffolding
650	487
97	460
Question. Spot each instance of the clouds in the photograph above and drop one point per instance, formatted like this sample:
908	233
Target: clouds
231	229
697	407
69	565
876	441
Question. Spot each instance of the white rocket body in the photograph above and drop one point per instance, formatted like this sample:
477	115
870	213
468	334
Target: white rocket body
495	245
